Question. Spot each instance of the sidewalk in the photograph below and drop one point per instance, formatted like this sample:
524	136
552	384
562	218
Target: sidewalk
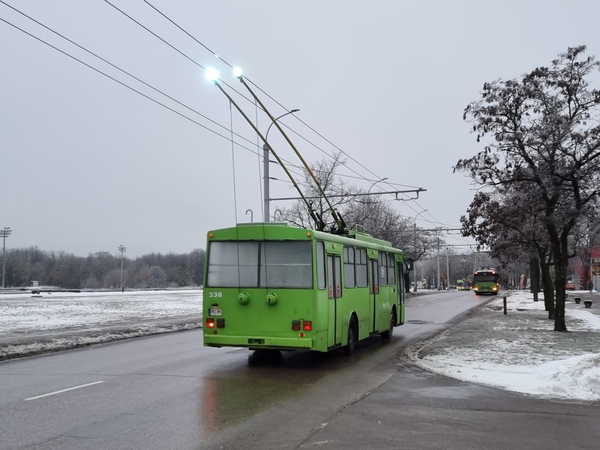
520	351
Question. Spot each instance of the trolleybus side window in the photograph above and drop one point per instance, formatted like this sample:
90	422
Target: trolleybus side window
349	278
321	265
383	269
401	281
391	269
361	267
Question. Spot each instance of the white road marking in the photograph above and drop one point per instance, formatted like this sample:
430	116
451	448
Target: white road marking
64	390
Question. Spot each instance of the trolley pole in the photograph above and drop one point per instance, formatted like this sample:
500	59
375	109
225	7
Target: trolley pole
267	212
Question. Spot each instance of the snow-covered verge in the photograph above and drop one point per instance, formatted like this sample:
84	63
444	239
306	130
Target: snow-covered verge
520	351
32	324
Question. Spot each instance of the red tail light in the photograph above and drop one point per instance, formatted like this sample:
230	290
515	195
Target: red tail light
210	323
307	325
295	324
221	323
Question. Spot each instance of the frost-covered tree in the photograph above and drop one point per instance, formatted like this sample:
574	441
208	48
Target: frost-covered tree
541	135
157	277
508	222
339	193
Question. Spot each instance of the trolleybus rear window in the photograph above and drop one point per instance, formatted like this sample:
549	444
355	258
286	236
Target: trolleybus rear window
270	264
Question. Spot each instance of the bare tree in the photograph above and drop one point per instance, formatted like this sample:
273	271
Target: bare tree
339	193
508	222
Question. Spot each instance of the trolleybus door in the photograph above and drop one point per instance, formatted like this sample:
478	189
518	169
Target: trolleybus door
334	281
373	290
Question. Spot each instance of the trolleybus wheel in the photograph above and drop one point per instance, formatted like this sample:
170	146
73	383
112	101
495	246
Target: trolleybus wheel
387	334
351	347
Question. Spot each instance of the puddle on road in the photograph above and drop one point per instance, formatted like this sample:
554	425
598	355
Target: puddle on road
232	396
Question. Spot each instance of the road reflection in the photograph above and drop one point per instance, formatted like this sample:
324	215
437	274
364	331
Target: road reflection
232	394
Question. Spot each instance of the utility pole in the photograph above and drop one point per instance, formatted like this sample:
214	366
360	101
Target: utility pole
4	233
438	261
415	246
122	250
447	271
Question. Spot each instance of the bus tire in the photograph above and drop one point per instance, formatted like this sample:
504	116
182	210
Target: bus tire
350	348
387	334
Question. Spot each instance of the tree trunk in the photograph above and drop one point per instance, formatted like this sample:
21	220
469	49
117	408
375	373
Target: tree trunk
548	286
559	315
561	263
534	268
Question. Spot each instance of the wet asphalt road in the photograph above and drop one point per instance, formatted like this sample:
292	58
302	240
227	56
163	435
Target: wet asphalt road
169	392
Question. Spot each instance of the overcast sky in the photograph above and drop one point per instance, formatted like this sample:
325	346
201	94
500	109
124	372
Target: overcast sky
87	164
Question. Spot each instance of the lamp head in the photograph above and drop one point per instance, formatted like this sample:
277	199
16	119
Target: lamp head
212	74
238	72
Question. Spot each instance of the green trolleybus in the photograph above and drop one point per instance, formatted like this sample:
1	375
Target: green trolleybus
486	281
273	286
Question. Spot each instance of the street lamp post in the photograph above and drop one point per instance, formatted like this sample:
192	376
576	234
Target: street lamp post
438	261
122	250
378	181
447	269
267	212
371	187
415	246
4	233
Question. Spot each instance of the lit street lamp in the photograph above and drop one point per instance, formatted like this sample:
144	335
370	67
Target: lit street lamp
415	246
122	250
4	233
267	212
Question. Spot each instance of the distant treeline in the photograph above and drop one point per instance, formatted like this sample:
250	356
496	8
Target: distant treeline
102	270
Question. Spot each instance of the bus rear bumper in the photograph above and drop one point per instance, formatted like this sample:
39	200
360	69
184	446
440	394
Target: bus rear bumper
259	342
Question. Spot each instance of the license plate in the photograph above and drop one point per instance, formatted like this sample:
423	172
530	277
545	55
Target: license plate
215	312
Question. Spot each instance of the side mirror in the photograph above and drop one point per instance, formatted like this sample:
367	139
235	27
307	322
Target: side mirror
410	264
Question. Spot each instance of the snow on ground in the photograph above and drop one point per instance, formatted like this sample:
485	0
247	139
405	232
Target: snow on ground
59	320
47	311
520	351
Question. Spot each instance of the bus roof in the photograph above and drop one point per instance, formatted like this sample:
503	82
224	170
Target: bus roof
278	230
